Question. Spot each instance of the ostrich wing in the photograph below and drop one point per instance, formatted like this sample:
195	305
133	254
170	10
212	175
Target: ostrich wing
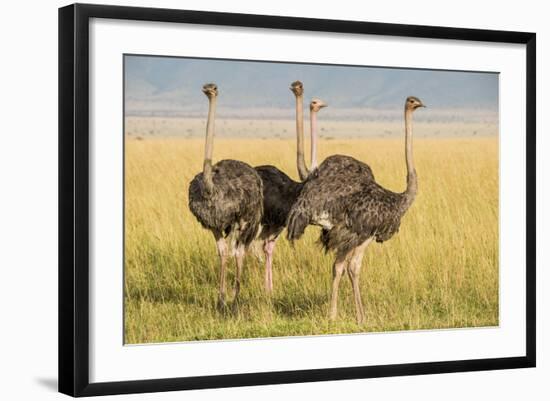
237	199
323	198
279	194
370	212
373	211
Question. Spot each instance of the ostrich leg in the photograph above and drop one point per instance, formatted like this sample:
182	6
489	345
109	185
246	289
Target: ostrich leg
239	259
354	271
269	247
221	245
337	270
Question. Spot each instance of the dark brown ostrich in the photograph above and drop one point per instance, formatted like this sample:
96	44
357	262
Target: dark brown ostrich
226	198
353	210
280	191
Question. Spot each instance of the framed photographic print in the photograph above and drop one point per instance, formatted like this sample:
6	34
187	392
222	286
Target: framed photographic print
250	199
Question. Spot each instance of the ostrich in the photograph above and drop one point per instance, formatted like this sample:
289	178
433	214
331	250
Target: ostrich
226	198
280	191
353	210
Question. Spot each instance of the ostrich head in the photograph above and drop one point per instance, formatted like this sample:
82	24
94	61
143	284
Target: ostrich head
413	103
317	104
297	88
210	90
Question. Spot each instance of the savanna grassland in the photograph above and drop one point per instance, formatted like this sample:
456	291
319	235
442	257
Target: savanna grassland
439	271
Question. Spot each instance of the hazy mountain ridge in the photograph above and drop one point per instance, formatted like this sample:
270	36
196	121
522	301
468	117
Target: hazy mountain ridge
172	86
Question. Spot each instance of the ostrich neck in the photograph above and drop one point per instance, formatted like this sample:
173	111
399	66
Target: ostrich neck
207	166
300	161
412	186
313	128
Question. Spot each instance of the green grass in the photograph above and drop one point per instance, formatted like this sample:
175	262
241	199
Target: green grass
439	271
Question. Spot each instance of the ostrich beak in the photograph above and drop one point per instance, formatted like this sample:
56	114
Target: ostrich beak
318	104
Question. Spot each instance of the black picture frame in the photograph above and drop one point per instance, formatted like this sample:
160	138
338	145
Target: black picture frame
74	194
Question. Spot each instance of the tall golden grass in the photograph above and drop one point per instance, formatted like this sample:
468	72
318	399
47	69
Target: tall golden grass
439	271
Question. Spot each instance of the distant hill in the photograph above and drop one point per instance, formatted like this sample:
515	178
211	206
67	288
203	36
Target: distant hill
171	86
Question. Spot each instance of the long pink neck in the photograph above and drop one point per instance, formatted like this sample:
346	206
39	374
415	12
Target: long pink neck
303	172
313	133
412	182
208	149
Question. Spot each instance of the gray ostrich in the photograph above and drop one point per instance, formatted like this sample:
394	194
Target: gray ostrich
353	210
226	198
279	190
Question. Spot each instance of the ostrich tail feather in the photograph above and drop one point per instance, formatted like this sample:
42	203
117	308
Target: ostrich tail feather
297	224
